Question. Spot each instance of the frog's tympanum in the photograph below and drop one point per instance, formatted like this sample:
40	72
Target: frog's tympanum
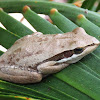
35	56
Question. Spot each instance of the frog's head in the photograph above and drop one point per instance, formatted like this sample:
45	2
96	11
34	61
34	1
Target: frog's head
76	45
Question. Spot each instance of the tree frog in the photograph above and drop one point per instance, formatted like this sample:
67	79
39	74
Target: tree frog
35	56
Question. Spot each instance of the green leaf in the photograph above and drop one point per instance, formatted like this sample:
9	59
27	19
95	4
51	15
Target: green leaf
90	27
61	21
7	38
9	97
85	81
44	7
70	1
23	90
88	4
13	25
1	52
39	23
98	7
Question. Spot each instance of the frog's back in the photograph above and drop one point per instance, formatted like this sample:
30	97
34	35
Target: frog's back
28	51
35	48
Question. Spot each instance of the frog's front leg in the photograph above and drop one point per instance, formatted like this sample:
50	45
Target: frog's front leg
51	67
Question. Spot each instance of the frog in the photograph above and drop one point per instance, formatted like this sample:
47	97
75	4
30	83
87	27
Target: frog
33	57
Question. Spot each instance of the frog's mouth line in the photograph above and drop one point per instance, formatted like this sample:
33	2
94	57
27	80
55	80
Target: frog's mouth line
68	54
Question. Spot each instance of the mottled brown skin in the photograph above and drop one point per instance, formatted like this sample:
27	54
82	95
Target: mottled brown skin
34	56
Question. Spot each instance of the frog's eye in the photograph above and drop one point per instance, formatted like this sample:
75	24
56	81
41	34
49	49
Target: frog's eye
78	50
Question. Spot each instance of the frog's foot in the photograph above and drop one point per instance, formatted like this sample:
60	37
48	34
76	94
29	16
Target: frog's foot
51	67
12	74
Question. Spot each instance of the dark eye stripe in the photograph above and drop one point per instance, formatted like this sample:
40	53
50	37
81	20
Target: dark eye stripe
78	50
